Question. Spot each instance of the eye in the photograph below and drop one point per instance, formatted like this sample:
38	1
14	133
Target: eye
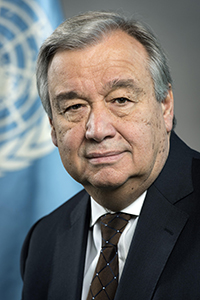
74	107
121	100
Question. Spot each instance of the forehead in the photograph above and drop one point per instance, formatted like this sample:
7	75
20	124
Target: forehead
117	53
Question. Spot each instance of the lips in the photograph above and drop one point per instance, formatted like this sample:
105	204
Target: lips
104	157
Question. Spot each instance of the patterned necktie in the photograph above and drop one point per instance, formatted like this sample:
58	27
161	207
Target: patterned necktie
105	279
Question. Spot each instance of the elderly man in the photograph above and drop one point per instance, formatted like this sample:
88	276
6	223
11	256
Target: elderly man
134	231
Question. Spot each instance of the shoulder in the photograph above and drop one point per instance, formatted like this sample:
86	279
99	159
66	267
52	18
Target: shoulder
66	208
185	154
62	213
178	145
48	227
175	181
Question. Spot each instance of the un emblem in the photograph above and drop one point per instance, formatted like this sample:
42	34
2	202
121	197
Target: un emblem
24	129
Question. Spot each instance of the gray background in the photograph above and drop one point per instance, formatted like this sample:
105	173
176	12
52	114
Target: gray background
177	25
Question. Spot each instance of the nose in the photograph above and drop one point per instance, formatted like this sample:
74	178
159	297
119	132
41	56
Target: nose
99	125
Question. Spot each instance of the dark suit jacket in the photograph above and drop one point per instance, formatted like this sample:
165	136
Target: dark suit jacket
164	258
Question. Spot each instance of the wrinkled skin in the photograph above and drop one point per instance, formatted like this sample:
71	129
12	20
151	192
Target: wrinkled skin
112	134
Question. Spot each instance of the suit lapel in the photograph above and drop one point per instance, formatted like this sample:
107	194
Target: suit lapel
159	225
69	257
158	229
175	179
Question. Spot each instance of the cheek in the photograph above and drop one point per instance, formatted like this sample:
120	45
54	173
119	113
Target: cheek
143	133
138	130
69	142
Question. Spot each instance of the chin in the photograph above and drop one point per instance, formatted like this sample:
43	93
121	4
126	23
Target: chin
104	179
108	183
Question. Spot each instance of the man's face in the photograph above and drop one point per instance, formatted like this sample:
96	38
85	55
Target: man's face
110	130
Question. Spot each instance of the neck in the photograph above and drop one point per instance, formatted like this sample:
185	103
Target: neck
116	199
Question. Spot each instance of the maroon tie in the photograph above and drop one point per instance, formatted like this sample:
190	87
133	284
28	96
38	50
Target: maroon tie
105	279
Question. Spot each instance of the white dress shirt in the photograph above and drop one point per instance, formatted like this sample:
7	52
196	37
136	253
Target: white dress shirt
94	239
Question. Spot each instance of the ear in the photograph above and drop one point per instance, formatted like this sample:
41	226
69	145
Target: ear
168	110
53	133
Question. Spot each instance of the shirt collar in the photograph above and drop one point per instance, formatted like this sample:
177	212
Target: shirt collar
133	209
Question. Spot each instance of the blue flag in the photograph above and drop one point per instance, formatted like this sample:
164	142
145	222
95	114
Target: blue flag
33	181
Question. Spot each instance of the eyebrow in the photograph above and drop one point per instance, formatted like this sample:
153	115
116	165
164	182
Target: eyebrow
109	86
121	83
68	96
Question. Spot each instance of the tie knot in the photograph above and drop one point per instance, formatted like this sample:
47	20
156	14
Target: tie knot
112	226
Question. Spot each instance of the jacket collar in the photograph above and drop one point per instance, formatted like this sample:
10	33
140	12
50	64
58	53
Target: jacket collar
70	249
175	180
159	226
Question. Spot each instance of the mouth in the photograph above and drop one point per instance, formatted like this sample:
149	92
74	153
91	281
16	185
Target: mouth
105	157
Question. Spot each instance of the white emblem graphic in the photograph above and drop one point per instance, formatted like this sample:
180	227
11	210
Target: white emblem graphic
24	129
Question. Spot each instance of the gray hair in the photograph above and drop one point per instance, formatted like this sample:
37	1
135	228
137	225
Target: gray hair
88	29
